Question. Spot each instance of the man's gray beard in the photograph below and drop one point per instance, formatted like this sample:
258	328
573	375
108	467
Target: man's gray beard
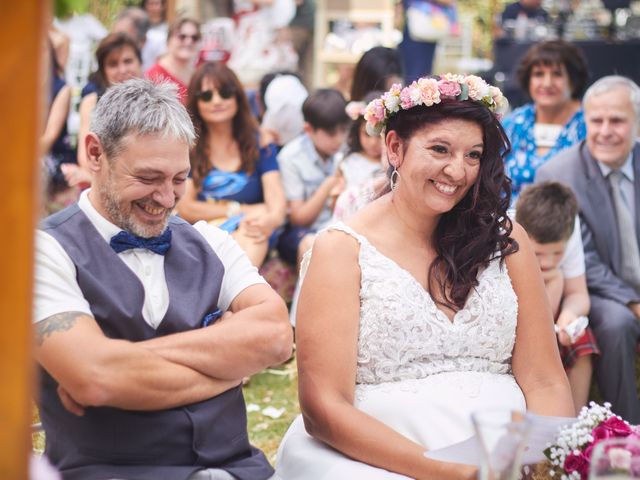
111	205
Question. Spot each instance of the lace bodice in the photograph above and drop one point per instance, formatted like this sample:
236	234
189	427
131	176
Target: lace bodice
404	335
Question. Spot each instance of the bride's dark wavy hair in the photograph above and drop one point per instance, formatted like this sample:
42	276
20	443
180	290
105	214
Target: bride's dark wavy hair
477	229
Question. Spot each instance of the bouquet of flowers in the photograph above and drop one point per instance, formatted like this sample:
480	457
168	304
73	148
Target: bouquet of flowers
570	457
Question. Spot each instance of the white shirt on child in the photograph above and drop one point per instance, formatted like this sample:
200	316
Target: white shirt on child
56	288
356	169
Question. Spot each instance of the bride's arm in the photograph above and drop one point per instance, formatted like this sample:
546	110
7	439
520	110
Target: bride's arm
536	360
326	338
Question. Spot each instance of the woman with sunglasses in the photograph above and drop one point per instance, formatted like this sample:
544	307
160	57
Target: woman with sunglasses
235	183
178	64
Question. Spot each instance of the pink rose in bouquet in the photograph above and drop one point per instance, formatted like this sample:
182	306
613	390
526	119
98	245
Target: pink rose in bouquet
570	456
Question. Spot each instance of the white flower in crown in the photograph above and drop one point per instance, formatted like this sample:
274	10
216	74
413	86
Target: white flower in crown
478	88
453	77
391	99
499	100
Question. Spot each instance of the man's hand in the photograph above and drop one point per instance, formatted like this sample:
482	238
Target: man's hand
635	308
69	403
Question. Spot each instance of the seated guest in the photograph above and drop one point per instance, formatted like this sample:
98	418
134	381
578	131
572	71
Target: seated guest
425	307
234	182
604	173
54	143
118	60
362	159
308	166
547	211
178	63
554	75
133	21
531	9
141	376
377	69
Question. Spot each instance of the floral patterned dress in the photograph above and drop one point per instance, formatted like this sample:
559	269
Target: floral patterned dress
523	161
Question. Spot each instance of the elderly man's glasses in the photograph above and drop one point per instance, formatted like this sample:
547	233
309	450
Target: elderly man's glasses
225	93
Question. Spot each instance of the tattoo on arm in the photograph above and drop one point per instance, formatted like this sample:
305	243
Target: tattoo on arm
60	322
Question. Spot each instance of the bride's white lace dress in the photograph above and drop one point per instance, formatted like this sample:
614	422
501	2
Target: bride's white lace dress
418	372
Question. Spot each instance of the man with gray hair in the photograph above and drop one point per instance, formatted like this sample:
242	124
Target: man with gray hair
146	324
604	173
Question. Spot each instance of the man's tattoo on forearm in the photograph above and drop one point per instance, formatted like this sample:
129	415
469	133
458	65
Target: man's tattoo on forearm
61	322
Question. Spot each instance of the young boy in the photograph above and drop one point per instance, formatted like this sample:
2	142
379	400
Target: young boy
547	211
308	169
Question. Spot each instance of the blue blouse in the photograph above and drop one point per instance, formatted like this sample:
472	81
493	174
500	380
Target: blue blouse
523	161
238	186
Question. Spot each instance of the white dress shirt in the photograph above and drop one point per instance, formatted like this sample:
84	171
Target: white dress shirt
56	289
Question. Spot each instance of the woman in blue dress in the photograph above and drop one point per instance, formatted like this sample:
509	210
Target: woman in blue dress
554	74
235	182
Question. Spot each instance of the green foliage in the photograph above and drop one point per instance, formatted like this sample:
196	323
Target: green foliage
66	8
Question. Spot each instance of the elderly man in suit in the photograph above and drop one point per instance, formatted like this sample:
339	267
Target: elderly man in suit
604	173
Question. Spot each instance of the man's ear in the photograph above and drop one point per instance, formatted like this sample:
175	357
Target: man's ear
95	152
308	128
395	149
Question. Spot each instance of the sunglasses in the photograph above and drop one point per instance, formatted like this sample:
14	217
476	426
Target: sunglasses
183	36
224	92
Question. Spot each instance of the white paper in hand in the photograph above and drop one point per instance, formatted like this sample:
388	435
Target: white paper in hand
543	431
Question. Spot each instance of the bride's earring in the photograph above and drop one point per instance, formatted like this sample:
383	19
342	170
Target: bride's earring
394	179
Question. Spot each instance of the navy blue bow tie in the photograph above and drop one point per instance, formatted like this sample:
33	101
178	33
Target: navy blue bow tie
125	240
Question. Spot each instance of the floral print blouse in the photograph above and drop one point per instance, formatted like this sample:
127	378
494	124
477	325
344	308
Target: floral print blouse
523	161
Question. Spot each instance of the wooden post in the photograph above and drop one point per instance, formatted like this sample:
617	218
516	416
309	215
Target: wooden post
22	26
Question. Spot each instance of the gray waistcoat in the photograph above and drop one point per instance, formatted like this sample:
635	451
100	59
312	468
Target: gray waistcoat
171	444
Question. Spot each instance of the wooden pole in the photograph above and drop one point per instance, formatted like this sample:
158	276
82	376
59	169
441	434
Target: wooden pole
22	26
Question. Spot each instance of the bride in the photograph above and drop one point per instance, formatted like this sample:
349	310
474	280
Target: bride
427	306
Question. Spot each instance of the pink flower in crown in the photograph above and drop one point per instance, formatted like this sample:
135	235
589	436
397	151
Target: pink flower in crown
355	109
374	112
478	88
375	115
429	91
499	100
449	89
410	96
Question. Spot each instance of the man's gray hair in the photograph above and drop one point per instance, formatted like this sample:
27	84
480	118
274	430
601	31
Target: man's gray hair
140	107
612	82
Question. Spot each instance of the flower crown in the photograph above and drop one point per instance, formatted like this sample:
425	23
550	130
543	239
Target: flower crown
429	91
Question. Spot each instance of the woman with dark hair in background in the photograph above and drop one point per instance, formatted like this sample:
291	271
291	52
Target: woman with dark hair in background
554	74
178	63
119	60
408	313
377	69
234	182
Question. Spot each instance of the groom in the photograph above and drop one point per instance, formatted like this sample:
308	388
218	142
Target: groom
141	376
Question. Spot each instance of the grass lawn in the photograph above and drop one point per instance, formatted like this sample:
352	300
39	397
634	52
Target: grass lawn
276	388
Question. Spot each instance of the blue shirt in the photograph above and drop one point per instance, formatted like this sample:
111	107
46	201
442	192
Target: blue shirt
303	170
523	161
238	186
